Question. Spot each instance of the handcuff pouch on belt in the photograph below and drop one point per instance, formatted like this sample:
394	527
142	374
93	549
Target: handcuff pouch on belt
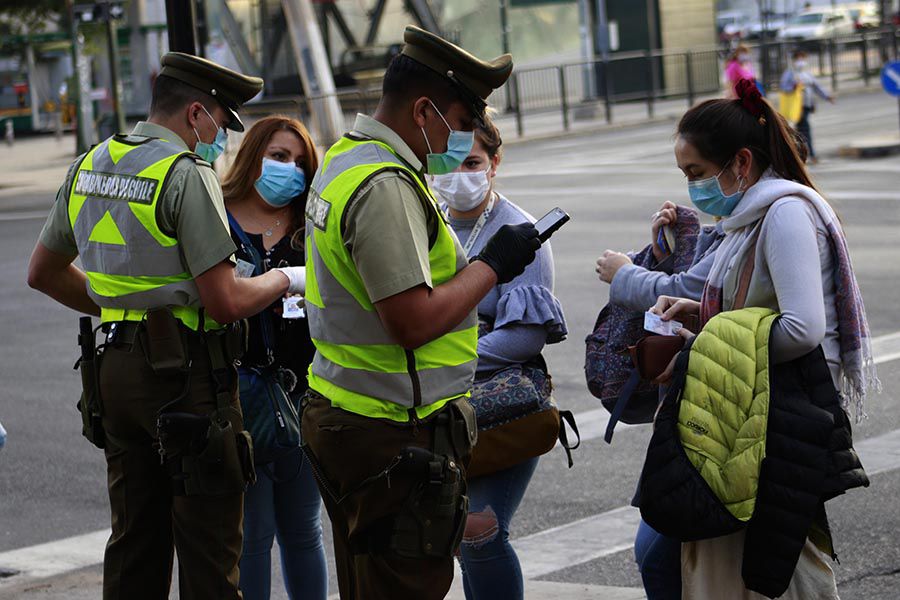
204	454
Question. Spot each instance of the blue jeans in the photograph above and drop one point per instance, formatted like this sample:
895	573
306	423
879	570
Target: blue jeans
489	564
287	506
659	561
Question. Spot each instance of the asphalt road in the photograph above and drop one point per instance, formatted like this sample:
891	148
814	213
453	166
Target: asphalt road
52	482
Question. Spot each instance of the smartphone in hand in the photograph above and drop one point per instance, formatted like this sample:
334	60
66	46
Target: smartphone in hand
550	222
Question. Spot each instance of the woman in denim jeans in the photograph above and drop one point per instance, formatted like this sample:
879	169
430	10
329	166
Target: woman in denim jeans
265	191
522	316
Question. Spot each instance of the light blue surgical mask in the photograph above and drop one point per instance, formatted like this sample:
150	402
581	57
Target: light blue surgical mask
210	152
459	144
280	182
707	195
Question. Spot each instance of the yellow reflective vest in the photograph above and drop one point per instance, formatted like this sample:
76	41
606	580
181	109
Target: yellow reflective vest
130	263
358	366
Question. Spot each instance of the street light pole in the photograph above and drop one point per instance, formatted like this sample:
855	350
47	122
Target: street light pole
112	47
504	40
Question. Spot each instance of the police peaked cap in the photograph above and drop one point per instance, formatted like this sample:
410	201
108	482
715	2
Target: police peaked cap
474	78
230	88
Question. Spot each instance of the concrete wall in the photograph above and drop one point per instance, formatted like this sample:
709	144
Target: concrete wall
684	25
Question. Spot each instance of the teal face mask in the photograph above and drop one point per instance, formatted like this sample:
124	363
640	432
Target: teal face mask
210	152
459	144
707	195
280	182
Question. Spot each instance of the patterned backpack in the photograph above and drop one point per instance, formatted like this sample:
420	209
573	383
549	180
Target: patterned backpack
608	367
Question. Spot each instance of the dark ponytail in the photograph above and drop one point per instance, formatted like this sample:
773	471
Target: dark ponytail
718	129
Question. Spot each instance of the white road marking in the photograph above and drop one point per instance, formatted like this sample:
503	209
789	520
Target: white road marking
541	553
577	542
54	558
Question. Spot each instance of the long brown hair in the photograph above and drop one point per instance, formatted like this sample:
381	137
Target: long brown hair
247	166
719	128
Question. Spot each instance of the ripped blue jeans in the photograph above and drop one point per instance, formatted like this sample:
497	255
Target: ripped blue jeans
489	564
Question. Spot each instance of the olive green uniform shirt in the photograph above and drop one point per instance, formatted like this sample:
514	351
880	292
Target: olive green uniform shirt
388	223
191	209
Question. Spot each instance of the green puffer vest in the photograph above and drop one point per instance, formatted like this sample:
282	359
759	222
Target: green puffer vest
723	415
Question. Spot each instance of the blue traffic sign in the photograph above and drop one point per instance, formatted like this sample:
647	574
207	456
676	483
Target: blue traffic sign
890	78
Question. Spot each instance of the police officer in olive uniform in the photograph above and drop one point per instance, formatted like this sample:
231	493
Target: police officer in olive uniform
391	304
144	212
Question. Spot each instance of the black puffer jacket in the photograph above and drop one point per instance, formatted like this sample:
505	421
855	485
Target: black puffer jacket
809	460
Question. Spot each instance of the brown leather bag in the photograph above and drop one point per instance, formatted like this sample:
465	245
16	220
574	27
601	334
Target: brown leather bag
653	353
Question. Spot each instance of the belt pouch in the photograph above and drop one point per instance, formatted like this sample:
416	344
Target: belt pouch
164	342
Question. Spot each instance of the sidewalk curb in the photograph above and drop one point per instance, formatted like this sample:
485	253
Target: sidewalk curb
872	149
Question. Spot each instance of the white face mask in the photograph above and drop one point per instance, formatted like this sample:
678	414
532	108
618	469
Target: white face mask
799	65
461	190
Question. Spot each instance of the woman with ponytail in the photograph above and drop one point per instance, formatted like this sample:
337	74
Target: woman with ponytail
742	164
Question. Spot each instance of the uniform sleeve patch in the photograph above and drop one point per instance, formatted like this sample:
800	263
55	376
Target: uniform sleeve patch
317	210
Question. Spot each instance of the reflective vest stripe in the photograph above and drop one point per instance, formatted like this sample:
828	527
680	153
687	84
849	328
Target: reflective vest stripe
358	366
190	316
118	286
442	383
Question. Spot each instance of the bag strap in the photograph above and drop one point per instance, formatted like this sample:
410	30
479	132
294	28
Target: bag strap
566	417
624	396
740	298
265	319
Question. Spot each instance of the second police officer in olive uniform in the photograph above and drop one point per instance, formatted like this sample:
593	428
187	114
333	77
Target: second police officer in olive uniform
144	212
391	302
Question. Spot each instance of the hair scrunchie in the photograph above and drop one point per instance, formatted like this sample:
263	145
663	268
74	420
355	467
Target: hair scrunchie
751	99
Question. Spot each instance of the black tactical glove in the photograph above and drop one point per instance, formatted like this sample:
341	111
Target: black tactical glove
510	250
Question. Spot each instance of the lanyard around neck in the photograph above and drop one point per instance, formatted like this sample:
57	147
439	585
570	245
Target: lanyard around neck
479	225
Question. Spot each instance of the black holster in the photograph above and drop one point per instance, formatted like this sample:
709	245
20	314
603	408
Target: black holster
204	455
89	405
432	520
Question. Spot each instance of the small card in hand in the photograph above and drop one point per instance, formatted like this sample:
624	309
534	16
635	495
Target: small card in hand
654	323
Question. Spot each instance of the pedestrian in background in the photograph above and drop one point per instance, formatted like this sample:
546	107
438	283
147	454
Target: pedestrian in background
145	214
517	319
265	193
798	74
737	67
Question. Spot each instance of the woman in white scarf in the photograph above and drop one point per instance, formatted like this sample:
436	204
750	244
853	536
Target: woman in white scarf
743	165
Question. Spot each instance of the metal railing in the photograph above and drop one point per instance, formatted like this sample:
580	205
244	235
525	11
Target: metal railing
651	76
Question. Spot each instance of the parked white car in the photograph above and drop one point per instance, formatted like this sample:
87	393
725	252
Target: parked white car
819	23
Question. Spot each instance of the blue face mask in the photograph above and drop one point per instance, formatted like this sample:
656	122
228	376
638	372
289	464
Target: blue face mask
210	152
280	182
459	144
707	195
